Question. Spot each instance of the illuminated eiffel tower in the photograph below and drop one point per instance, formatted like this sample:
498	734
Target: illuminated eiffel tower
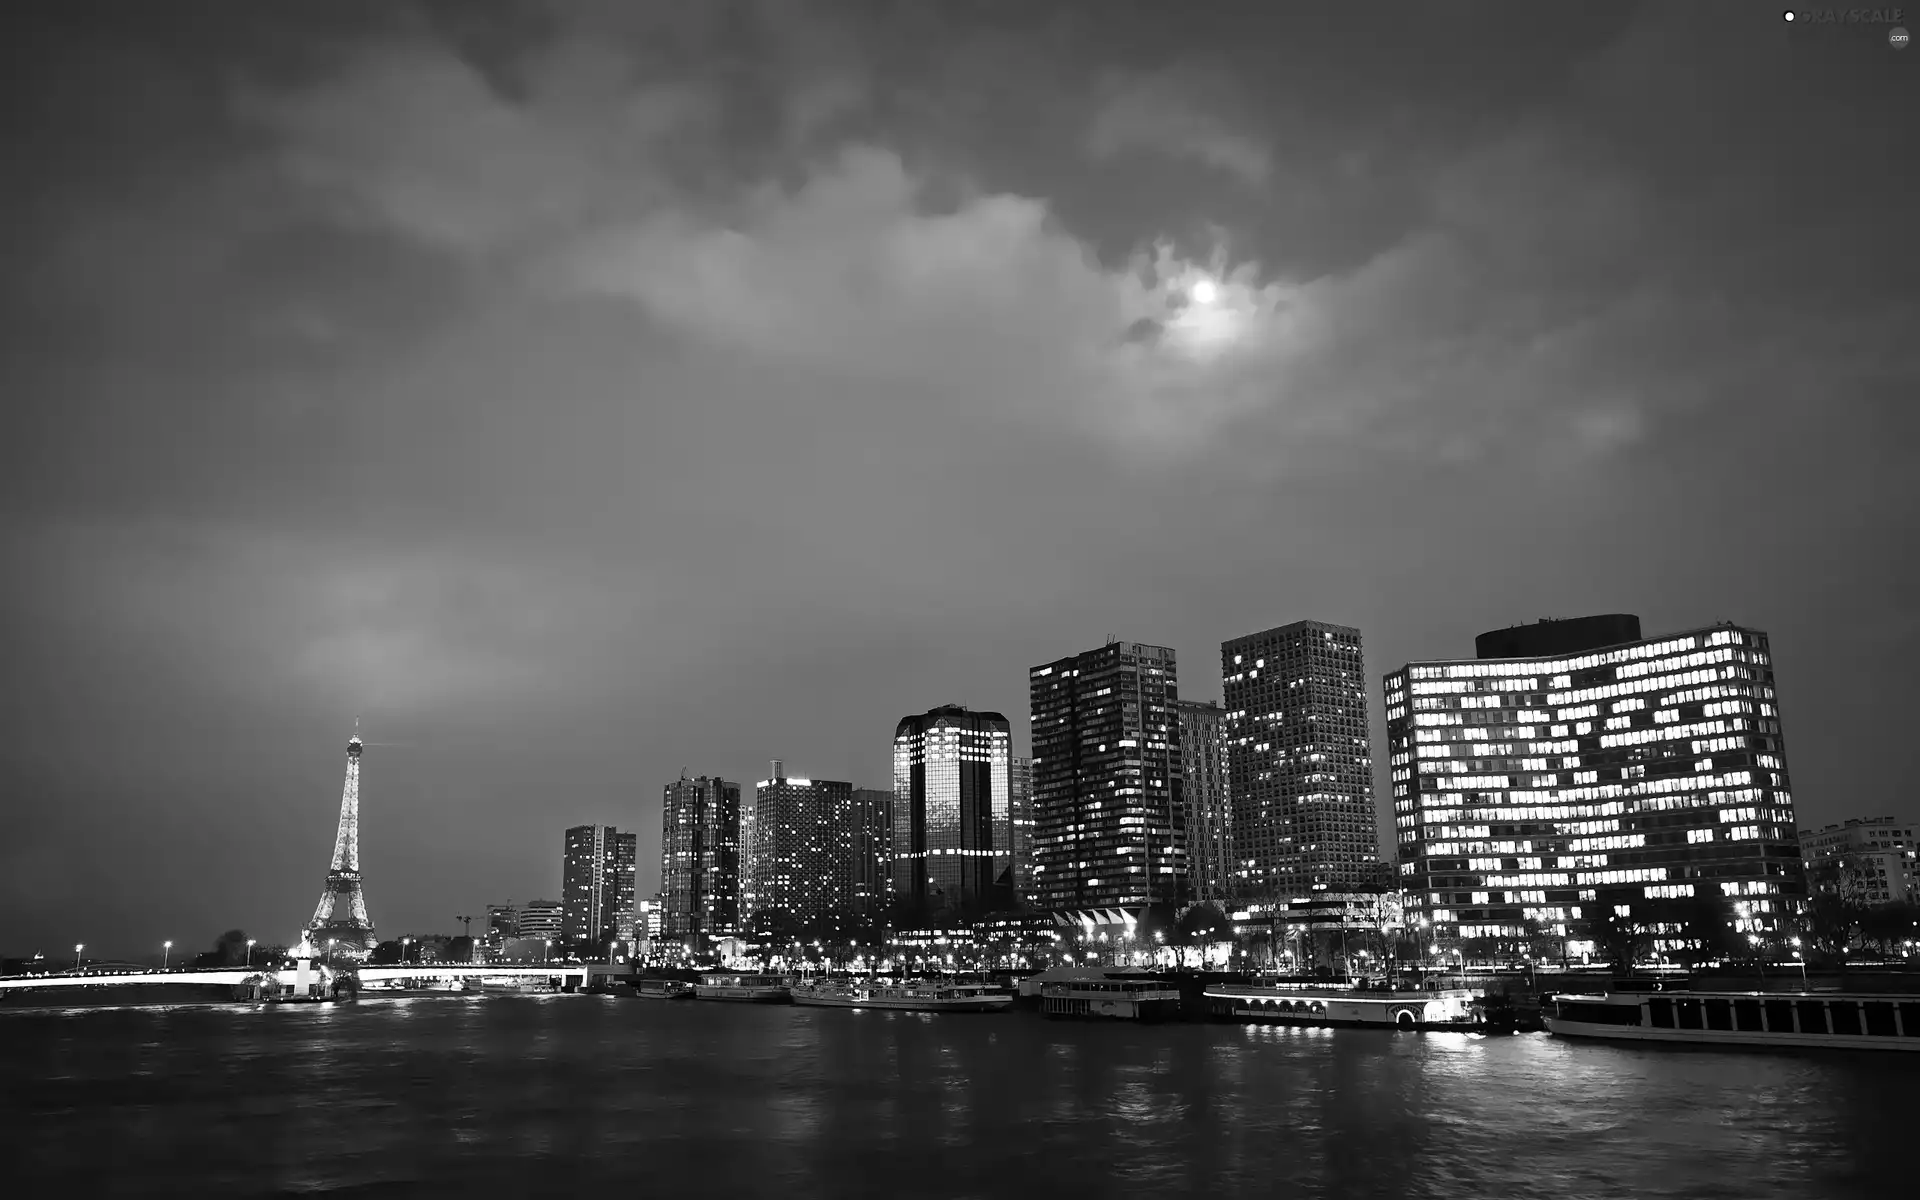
341	916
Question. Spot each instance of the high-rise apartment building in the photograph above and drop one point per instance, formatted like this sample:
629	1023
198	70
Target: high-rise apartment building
801	855
1203	771
1109	809
700	858
597	884
1020	826
1870	860
1575	767
950	787
869	843
1299	765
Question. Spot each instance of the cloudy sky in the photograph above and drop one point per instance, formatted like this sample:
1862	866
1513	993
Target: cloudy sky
577	392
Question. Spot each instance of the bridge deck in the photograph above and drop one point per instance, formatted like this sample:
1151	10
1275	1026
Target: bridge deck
237	976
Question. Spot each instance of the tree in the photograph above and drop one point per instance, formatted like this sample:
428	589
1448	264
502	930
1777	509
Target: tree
1619	937
385	954
1888	927
1201	925
1833	920
1707	923
229	950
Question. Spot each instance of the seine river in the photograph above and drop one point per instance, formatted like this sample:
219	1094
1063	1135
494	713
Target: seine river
545	1095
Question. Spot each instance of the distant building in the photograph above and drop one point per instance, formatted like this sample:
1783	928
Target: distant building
1109	809
649	920
1020	824
1299	766
952	837
1576	769
597	884
700	858
503	922
1203	771
540	919
801	855
869	845
1871	860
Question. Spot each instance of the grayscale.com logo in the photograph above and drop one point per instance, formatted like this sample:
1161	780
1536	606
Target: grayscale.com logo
1897	38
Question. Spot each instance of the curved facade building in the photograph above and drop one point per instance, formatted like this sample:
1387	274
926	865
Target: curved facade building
952	832
1535	795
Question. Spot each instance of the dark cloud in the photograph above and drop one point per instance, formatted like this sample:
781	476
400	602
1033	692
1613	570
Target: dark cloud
579	392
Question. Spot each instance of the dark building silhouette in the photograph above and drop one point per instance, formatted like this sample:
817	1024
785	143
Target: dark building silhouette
869	846
1569	636
1211	867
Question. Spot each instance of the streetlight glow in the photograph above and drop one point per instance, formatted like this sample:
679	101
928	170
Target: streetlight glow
166	954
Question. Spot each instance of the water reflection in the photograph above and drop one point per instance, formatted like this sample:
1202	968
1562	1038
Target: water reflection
523	1095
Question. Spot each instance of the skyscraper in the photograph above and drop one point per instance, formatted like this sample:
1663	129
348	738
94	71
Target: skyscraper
1109	816
1203	772
700	858
1020	826
597	884
1576	772
1299	765
951	836
869	843
802	855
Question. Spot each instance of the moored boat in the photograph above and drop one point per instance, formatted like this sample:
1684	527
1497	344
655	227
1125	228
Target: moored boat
908	995
1826	1020
1334	1007
663	989
742	988
1104	998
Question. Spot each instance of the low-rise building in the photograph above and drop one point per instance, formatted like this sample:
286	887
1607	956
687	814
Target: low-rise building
1871	860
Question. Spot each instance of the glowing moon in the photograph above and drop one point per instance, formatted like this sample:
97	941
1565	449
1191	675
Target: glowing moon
1205	292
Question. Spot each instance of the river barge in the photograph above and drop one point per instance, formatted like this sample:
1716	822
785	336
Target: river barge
1823	1020
906	995
744	989
1320	1007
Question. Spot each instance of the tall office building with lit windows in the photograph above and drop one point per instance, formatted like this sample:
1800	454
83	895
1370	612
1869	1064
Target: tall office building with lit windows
700	858
1575	766
1203	774
1020	826
801	858
1109	808
951	832
597	884
1299	762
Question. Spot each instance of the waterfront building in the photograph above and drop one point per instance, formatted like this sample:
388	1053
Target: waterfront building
1299	761
801	856
951	833
598	884
869	845
1575	772
540	919
1020	826
1871	861
1203	772
503	922
1109	816
700	858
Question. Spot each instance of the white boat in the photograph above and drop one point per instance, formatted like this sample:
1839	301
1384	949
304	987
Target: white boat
1102	997
909	995
1831	1020
745	989
1322	1007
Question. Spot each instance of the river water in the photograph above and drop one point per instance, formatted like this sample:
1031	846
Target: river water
536	1095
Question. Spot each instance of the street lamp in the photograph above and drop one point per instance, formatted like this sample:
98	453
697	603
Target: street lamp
166	953
77	948
250	954
546	955
330	945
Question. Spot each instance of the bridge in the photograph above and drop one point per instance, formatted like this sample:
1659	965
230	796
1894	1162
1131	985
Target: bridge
398	976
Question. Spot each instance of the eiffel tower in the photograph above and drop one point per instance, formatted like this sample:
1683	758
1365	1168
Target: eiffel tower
341	915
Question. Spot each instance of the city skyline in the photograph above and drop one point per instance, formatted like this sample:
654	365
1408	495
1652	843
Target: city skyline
581	396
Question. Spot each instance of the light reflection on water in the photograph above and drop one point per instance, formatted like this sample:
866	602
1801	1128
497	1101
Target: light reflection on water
524	1095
